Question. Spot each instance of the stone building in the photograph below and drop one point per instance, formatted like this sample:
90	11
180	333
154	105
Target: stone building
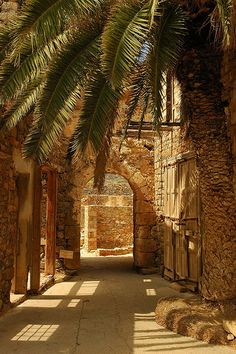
41	206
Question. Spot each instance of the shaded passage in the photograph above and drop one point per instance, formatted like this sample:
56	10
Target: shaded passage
107	309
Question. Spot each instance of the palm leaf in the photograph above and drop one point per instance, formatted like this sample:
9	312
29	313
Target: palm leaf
61	93
101	162
135	91
13	79
223	19
39	21
22	106
69	71
99	110
123	38
168	43
5	39
144	111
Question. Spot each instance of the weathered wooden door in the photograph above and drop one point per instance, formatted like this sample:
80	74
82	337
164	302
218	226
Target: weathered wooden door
182	244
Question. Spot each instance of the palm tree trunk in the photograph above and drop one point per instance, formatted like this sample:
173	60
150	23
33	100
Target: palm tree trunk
199	75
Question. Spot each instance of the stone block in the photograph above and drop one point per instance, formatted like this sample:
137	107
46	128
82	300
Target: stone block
73	263
143	206
143	259
146	245
143	232
92	245
72	232
145	218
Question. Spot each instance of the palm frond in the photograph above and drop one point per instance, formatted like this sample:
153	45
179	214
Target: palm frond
70	69
144	111
123	37
168	43
5	39
13	79
101	163
61	93
99	110
135	91
22	106
221	20
39	21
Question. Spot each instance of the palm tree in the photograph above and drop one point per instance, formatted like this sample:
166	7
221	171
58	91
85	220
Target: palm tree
55	52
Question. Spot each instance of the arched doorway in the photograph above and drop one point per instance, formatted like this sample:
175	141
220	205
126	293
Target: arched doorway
146	244
107	225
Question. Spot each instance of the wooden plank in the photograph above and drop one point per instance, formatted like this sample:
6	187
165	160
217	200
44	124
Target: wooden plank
50	249
181	255
193	191
19	283
182	248
35	260
193	239
168	246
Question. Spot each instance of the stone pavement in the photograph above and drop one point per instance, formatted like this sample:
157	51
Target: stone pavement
107	309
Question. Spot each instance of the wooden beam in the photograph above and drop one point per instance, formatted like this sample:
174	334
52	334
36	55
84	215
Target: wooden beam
50	250
19	283
35	260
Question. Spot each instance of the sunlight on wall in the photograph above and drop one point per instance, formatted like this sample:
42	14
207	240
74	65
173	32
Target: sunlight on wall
35	333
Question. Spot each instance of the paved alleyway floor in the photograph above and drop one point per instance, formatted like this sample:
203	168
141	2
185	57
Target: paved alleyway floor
106	309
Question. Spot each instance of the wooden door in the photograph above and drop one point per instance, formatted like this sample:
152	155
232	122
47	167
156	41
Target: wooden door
182	237
169	249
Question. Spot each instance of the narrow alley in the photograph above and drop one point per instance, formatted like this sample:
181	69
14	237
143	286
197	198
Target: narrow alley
106	309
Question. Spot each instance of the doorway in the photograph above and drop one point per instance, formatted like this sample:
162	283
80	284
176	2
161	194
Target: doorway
107	225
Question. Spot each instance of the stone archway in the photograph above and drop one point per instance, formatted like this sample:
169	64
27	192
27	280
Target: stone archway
135	163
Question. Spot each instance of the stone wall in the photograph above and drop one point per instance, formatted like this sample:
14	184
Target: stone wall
229	82
135	162
113	209
114	221
8	194
114	227
68	209
8	216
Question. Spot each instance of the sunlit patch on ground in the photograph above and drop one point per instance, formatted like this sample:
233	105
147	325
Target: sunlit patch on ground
35	333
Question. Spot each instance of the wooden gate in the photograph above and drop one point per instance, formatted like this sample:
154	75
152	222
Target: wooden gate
182	242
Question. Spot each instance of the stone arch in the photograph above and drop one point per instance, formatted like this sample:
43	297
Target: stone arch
145	241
